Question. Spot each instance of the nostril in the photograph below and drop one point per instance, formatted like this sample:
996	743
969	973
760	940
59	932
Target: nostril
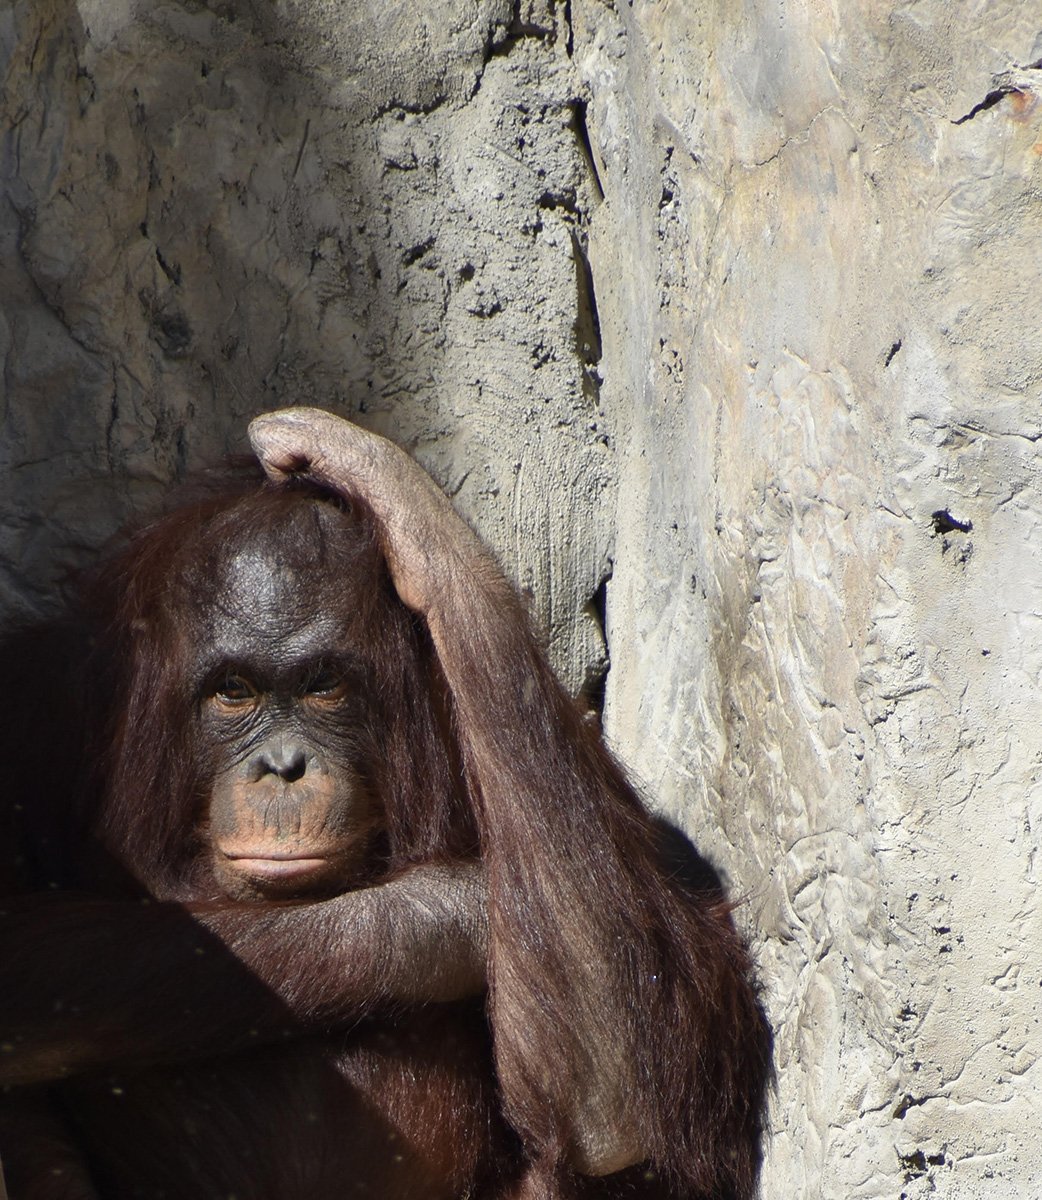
294	766
286	760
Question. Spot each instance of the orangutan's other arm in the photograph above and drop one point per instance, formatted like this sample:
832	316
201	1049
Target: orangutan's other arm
96	983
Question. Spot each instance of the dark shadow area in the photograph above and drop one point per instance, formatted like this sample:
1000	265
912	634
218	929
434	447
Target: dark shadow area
156	1041
683	861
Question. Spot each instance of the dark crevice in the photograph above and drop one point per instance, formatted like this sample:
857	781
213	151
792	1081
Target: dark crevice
301	148
989	101
518	30
415	253
587	321
907	1103
400	111
944	522
112	427
891	354
171	271
913	1164
919	1162
592	693
180	454
565	200
599	602
168	326
594	689
582	132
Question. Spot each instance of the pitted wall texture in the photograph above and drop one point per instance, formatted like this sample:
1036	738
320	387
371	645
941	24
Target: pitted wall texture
824	626
213	210
718	321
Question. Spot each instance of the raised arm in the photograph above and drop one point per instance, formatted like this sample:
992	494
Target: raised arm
626	1027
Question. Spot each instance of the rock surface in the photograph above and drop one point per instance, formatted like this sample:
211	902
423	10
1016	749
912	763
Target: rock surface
818	253
716	319
212	211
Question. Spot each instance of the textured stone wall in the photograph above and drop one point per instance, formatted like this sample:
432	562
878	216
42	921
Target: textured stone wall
817	269
715	318
212	210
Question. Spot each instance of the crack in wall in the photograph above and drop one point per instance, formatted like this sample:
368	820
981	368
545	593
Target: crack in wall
1009	83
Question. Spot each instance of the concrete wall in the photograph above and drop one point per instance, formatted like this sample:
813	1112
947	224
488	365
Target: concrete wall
717	318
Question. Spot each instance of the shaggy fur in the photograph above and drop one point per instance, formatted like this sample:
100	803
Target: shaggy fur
231	1030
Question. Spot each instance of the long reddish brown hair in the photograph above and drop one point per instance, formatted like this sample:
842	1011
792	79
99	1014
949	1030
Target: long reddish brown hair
147	780
576	873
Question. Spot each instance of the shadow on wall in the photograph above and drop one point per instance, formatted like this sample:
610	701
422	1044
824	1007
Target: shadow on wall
212	211
199	229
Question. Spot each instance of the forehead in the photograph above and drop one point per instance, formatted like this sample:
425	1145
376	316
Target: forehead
273	593
263	607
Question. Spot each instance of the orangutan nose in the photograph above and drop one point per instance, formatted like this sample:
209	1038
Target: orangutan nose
282	757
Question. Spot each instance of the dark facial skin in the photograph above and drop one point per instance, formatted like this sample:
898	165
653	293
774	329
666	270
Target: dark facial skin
284	721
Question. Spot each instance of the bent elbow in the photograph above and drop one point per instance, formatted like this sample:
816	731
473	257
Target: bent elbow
604	1151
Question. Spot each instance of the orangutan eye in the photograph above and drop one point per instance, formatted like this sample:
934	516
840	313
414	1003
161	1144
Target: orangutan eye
234	689
326	684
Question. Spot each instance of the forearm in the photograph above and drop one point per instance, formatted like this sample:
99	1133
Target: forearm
417	939
93	983
520	730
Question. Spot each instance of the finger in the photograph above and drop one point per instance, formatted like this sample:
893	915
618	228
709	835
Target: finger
308	440
284	447
340	455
